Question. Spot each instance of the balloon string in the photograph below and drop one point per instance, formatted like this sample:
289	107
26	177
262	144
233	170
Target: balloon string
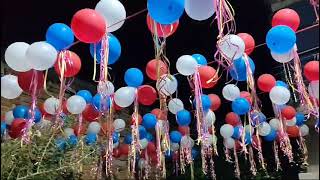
94	62
276	156
62	67
253	167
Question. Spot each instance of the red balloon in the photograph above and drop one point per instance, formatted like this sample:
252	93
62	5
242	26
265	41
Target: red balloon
72	64
25	80
116	153
16	128
160	115
248	41
184	130
288	112
208	76
154	159
79	130
147	95
293	131
139	119
163	30
266	82
143	154
124	149
90	113
311	70
88	26
64	107
215	101
43	112
152	70
246	95
151	148
232	119
287	17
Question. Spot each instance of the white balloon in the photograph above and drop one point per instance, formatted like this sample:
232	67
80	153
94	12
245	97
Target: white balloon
10	88
264	129
247	129
226	130
143	143
51	105
200	9
231	92
76	104
119	125
313	89
68	132
229	143
9	117
41	55
115	145
142	163
110	88
283	58
209	118
174	146
175	105
232	46
113	12
304	130
125	96
94	127
291	122
210	139
275	123
15	56
186	65
167	85
187	142
279	95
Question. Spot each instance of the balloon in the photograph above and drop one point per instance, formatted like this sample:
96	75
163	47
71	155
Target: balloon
159	114
206	102
91	138
88	25
26	80
86	95
166	11
287	17
37	115
209	118
293	131
149	137
284	57
41	56
184	130
257	118
79	130
240	106
10	88
175	105
21	111
229	143
125	96
231	46
3	128
60	144
16	127
237	132
187	142
163	30
71	63
60	36
174	146
9	117
152	71
76	104
109	89
147	95
72	140
133	119
142	132
279	95
311	70
114	50
199	10
113	12
266	82
248	41
281	83
186	65
215	102
248	138
144	143
119	125
90	113
115	137
149	120
264	129
271	136
124	149
291	122
96	101
313	89
288	112
133	77
201	60
300	119
226	130
51	105
232	119
246	95
175	136
239	69
280	39
275	123
167	85
15	56
208	76
304	130
248	129
231	92
94	127
68	132
183	118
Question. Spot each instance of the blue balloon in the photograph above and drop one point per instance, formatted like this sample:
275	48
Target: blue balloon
271	136
133	77
128	139
91	138
60	143
240	106
200	59
299	118
60	36
96	101
3	127
281	83
37	115
165	11
248	138
257	118
142	132
175	136
86	95
149	120
281	39
194	153
239	69
149	137
114	50
73	140
237	131
206	102
21	111
183	118
115	137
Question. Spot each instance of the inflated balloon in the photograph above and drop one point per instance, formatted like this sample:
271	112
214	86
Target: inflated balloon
139	119
201	60
16	128
151	148
133	77
101	106
199	10
3	128
275	123
266	82
21	111
184	130
149	137
149	121
279	95
10	88
113	12
186	65
271	136
70	62
152	71
175	105
79	130
187	142
281	83
124	149
144	143
125	96
26	80
215	102
209	118
237	132
174	146
248	129
293	131
239	69
291	122
183	118
88	25
94	127
175	136
166	11
311	70
37	115
231	92
246	95
231	46
60	143
281	39
226	130
163	30
115	137
288	112
60	36
90	113
109	90
167	85
283	57
68	132
147	95
264	129
86	95
257	118
240	106
119	125
41	56
72	140
51	105
232	119
248	138
205	100
15	56
142	132
208	76
76	104
9	117
313	89
300	119
91	138
287	17
248	41
304	130
229	143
